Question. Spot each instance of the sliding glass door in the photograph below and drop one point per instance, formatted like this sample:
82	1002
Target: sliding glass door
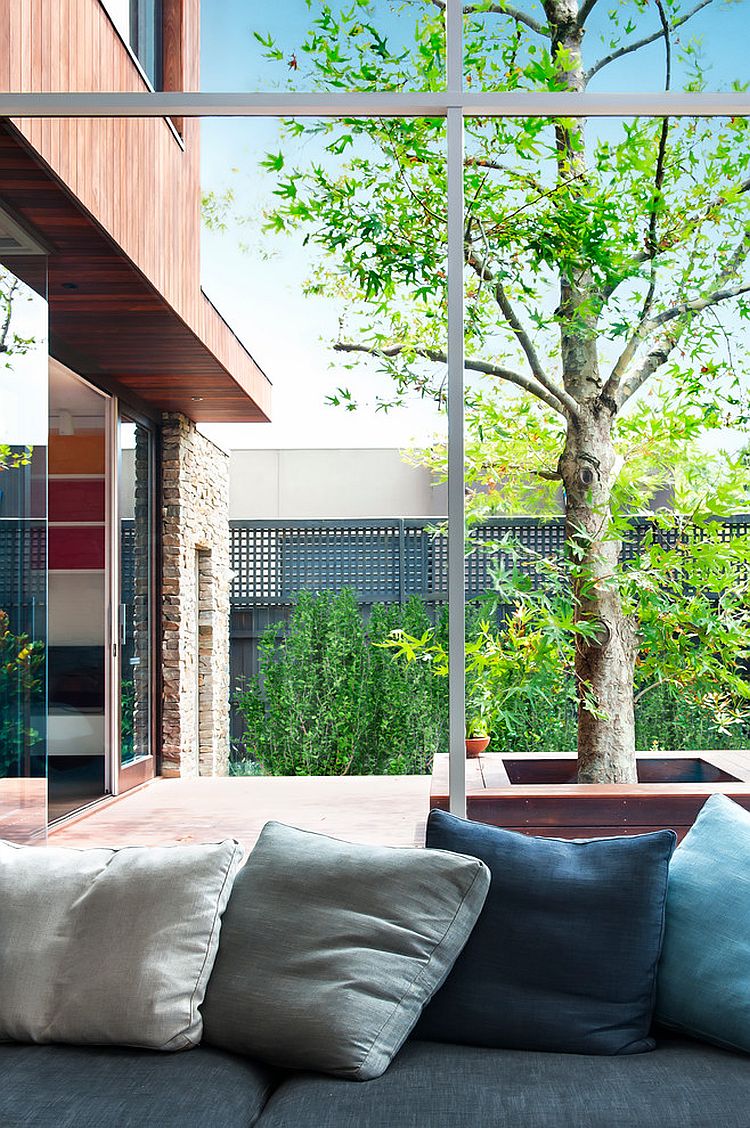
79	593
100	596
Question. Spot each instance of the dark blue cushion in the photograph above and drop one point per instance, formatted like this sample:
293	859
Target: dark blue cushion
564	955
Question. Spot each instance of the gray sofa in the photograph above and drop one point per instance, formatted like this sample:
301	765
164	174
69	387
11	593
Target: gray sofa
682	1084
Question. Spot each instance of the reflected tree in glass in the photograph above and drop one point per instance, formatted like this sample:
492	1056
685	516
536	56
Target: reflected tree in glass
22	529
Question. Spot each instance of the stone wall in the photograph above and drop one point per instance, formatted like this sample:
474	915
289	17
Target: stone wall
195	602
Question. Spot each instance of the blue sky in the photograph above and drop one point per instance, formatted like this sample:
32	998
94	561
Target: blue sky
256	280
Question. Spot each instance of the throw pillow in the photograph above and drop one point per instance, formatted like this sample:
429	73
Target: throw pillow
704	975
329	950
110	946
565	953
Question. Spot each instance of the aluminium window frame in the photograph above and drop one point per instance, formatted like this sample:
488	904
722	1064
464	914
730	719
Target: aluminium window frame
453	104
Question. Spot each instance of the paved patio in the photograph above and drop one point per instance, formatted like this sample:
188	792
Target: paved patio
386	810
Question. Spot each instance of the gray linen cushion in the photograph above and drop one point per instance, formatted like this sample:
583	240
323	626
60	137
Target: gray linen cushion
110	946
330	950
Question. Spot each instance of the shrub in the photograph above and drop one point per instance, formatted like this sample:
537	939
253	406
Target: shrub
21	685
327	702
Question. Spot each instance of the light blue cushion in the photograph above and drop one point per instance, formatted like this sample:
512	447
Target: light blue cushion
704	974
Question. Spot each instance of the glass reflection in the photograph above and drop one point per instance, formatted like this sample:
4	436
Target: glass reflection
135	590
23	551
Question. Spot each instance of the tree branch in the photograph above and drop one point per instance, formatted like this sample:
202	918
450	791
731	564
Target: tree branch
652	243
585	11
635	261
658	354
636	46
501	10
698	304
5	326
485	273
483	366
649	325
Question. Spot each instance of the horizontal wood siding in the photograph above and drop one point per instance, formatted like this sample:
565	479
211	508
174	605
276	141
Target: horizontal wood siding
135	177
153	213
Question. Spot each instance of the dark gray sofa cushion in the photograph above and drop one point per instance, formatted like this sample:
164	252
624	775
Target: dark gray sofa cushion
683	1084
77	1087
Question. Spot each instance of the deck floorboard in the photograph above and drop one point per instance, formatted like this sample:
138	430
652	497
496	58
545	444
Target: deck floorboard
381	810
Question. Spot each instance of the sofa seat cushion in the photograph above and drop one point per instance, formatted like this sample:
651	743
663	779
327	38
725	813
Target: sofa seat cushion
86	1087
682	1084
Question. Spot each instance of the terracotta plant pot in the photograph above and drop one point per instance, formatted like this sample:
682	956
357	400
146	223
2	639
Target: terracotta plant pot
475	745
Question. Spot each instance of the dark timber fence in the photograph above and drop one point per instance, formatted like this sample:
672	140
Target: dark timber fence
382	560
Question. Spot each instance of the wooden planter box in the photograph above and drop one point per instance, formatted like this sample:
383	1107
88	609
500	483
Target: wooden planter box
538	794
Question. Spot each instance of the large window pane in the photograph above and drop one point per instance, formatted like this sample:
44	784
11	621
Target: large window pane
324	45
329	260
607	273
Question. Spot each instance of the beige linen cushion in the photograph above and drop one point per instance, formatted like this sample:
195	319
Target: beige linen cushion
110	946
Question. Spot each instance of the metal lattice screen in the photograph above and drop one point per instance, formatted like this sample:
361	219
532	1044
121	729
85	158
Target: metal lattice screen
381	560
389	560
23	580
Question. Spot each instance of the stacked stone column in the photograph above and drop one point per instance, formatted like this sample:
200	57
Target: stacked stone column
195	602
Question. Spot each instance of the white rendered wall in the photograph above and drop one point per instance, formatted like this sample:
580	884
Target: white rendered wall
334	483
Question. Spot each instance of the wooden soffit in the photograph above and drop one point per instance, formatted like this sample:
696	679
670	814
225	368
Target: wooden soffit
108	323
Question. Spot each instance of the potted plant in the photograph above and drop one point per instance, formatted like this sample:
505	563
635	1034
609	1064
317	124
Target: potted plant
503	665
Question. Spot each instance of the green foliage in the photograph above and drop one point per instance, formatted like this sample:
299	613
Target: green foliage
689	592
21	685
544	200
127	718
13	457
328	703
509	670
520	685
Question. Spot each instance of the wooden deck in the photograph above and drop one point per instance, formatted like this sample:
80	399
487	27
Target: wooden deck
384	810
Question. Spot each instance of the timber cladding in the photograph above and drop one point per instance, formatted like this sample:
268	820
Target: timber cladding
136	181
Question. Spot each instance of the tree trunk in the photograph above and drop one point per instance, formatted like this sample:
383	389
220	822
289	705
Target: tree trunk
604	664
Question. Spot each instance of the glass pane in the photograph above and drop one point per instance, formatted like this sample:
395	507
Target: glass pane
337	539
607	271
139	25
78	593
136	567
632	46
324	45
23	549
291	45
